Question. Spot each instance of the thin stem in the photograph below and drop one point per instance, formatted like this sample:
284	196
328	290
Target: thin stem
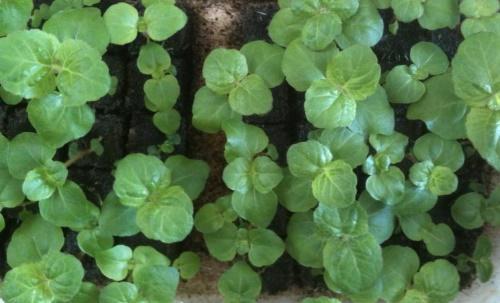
80	155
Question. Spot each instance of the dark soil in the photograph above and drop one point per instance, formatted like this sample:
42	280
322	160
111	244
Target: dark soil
125	126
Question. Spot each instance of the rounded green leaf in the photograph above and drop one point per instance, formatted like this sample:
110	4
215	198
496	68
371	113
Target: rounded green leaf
210	110
476	70
439	239
32	240
223	69
188	264
265	174
146	256
392	145
27	151
190	174
168	217
439	151
168	122
56	278
320	31
303	66
429	58
113	262
305	240
251	96
407	10
374	115
237	175
356	71
119	292
121	21
243	140
14	15
401	87
339	222
222	244
26	59
441	110
84	24
265	247
466	210
413	225
439	14
388	186
345	145
42	182
353	264
482	127
305	159
69	207
491	209
209	218
479	8
153	59
335	185
93	241
400	264
161	94
157	283
295	194
240	284
327	107
286	26
439	280
11	189
415	200
442	181
265	60
471	26
255	207
380	217
137	177
88	293
117	219
163	20
58	123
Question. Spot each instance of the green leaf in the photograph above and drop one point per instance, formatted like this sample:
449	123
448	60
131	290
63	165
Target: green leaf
26	59
484	247
402	87
481	8
374	115
320	300
295	194
147	3
414	296
472	26
466	210
88	293
9	98
69	207
439	280
188	264
61	5
345	145
265	247
380	217
255	207
209	218
121	21
223	69
439	151
339	222
163	20
240	284
366	27
122	292
356	71
441	110
429	58
84	24
117	219
56	278
58	123
320	31
265	174
335	185
27	151
439	239
222	244
482	126
491	209
251	96
42	182
415	200
484	269
83	75
210	110
243	140
303	66
407	10
286	26
138	177
265	60
168	217
32	240
393	145
189	174
153	59
161	94
93	241
305	159
11	189
168	122
442	181
237	175
400	264
304	240
413	225
353	264
146	256
157	283
388	186
327	107
439	14
14	15
476	70
114	262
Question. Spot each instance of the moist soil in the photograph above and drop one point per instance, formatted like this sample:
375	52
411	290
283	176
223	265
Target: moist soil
125	126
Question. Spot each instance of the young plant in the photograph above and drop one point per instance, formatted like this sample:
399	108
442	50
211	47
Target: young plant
431	14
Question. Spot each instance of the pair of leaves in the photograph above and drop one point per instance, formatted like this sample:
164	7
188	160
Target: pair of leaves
472	210
260	174
211	217
160	21
240	283
431	14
